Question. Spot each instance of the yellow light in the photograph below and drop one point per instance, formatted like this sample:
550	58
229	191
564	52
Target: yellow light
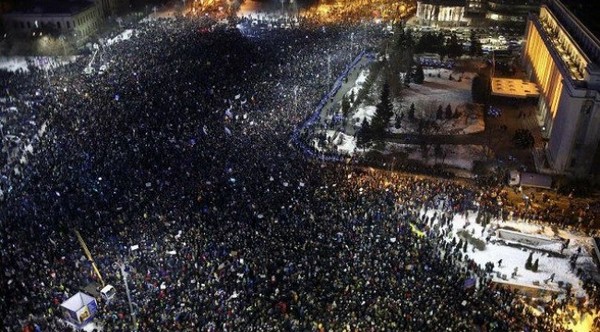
579	325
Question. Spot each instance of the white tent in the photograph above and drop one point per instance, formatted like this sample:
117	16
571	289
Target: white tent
79	309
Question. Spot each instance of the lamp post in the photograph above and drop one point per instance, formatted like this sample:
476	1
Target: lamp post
295	99
351	45
124	275
62	40
328	68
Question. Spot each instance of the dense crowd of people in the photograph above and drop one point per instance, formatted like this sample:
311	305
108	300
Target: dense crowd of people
181	147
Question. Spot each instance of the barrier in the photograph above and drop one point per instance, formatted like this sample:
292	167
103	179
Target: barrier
307	150
528	239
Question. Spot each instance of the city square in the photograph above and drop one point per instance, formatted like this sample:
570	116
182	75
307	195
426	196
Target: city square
297	166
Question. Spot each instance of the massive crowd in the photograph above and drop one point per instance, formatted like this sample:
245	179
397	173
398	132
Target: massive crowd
181	146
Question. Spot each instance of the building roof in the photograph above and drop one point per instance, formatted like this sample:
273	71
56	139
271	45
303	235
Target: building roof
581	27
51	7
587	12
514	88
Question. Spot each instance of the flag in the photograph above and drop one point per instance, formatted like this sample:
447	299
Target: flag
228	113
469	283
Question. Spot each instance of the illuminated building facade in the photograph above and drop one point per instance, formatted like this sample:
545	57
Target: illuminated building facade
562	56
441	10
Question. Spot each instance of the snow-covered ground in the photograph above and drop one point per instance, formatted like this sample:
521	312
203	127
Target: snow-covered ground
427	98
551	259
363	113
125	35
337	141
439	90
16	63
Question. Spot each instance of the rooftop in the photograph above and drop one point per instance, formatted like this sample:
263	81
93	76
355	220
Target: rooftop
515	88
587	12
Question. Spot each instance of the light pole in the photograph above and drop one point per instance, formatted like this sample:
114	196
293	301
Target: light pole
124	275
295	99
63	40
351	45
328	68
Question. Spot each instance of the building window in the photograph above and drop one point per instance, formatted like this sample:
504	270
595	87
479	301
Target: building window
22	25
68	25
28	25
58	25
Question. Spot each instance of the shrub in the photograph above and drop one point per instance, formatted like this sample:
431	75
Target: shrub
475	242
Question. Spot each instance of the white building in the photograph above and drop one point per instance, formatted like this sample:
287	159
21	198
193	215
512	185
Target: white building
440	11
562	56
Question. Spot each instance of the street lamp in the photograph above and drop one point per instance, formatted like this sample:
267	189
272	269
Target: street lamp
296	89
63	42
124	275
328	68
351	44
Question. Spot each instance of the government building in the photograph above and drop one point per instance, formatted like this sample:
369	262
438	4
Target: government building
562	56
69	18
464	11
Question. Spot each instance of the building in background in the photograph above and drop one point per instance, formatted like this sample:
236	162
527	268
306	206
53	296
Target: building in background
483	11
55	18
475	6
441	11
562	55
510	10
75	20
